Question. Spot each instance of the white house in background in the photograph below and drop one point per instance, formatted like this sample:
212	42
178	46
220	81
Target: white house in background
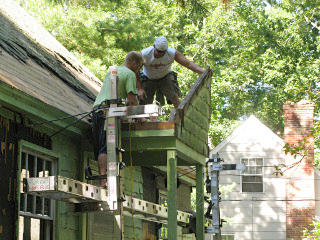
255	207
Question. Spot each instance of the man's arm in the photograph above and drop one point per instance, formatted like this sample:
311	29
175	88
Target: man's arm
141	92
187	63
132	99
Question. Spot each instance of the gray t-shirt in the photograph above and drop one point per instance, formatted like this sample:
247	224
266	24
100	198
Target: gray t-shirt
156	68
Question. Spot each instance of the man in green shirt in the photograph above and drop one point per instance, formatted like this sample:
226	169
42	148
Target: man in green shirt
127	88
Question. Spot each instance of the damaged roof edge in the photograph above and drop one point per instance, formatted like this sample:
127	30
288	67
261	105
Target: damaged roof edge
28	39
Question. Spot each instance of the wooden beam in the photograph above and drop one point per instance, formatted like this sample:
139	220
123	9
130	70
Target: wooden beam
199	203
146	149
148	126
40	150
172	194
148	133
146	158
185	178
190	155
36	109
154	143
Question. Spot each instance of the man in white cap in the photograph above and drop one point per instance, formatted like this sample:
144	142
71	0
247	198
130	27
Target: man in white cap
157	75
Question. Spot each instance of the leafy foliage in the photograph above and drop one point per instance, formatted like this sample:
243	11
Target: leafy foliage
314	233
263	53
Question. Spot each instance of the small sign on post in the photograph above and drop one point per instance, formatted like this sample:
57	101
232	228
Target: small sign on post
215	169
112	144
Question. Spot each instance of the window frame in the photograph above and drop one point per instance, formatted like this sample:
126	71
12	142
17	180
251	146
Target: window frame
48	155
244	174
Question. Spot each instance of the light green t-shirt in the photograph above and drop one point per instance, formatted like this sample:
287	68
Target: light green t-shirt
126	84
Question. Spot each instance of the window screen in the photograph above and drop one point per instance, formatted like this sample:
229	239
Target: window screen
252	176
36	213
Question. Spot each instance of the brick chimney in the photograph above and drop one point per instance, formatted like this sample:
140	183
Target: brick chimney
300	186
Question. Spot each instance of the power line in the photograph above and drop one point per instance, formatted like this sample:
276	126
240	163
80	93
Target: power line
193	169
270	177
268	200
74	122
57	119
85	114
253	175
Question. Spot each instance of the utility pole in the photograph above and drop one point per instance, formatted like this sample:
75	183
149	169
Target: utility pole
112	125
212	186
215	168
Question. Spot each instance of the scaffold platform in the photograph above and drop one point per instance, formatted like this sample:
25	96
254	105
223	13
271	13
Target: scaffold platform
87	197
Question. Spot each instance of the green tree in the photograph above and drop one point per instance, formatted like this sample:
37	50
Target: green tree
314	232
263	53
262	56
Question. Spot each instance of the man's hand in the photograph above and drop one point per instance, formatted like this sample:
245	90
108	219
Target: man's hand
132	99
142	94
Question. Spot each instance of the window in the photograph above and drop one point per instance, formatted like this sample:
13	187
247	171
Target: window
227	237
252	176
36	213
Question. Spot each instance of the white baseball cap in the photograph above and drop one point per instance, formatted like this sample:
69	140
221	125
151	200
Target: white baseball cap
161	43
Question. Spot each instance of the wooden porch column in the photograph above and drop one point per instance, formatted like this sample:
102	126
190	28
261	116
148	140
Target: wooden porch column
199	203
172	194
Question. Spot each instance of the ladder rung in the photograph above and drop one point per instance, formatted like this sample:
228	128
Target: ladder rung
92	198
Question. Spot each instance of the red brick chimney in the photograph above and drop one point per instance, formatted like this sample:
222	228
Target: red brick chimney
300	187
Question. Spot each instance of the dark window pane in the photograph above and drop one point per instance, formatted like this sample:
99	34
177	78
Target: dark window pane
38	205
40	167
31	165
251	179
259	161
252	187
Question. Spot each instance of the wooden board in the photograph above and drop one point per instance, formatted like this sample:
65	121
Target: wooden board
157	125
192	117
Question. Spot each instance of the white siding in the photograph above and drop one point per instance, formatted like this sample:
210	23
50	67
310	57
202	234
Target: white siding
254	215
317	190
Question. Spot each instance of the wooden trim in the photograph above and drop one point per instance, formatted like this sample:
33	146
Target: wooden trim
172	194
154	143
40	111
199	203
148	126
19	156
187	172
148	133
185	178
38	149
190	155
